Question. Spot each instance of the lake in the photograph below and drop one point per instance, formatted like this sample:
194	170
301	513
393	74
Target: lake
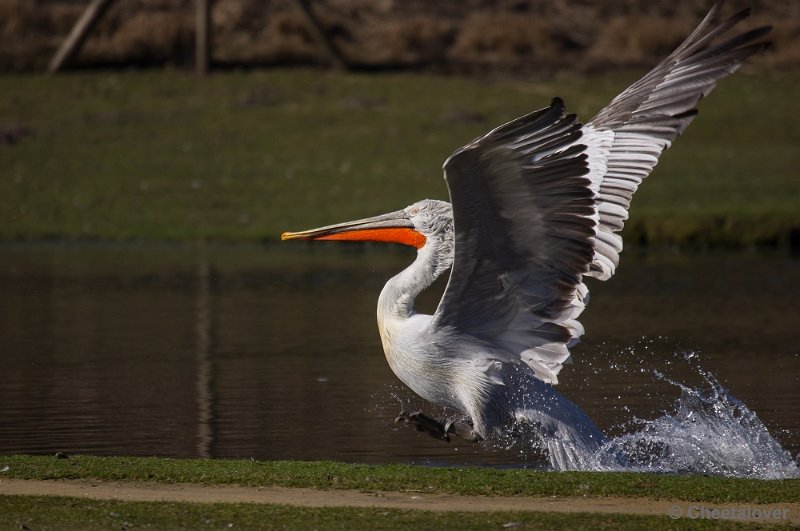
272	352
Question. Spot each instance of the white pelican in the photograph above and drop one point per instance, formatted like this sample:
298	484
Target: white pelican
536	207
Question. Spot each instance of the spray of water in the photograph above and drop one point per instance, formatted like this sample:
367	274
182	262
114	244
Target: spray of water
710	432
706	431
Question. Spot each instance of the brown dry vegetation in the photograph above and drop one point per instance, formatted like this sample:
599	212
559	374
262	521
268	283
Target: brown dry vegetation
447	34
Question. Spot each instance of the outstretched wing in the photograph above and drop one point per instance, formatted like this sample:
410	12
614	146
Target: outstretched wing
538	201
645	118
524	220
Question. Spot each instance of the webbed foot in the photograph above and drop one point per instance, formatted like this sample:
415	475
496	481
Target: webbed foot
439	428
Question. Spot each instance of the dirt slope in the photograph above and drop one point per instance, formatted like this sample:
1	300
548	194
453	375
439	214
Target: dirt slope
519	35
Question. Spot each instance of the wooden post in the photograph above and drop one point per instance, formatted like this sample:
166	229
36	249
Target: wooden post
72	44
318	34
202	37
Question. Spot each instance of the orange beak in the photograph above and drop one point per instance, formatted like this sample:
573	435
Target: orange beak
394	227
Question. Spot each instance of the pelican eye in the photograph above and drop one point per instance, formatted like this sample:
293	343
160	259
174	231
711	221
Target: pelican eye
414	211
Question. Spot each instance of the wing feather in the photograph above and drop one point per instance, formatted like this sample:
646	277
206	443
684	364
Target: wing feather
523	210
650	114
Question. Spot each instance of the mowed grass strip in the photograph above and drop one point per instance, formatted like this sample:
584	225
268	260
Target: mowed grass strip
35	512
400	478
243	156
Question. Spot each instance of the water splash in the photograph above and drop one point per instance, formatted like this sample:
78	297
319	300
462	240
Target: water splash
708	431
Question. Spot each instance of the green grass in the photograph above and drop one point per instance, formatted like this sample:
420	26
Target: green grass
71	513
41	512
244	156
332	475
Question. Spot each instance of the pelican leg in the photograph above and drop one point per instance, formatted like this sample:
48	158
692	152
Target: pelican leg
436	428
439	428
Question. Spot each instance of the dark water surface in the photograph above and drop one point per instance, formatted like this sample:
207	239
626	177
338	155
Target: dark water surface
273	353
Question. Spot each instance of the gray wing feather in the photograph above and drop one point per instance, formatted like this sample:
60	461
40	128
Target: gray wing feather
647	117
523	216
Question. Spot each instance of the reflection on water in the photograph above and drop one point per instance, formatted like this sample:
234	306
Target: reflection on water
273	353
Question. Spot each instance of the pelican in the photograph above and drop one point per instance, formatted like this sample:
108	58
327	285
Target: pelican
536	208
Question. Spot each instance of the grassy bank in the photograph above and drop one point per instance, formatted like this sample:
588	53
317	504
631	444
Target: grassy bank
244	156
45	512
28	512
471	481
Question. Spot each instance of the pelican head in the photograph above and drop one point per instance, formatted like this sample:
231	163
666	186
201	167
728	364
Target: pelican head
424	224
